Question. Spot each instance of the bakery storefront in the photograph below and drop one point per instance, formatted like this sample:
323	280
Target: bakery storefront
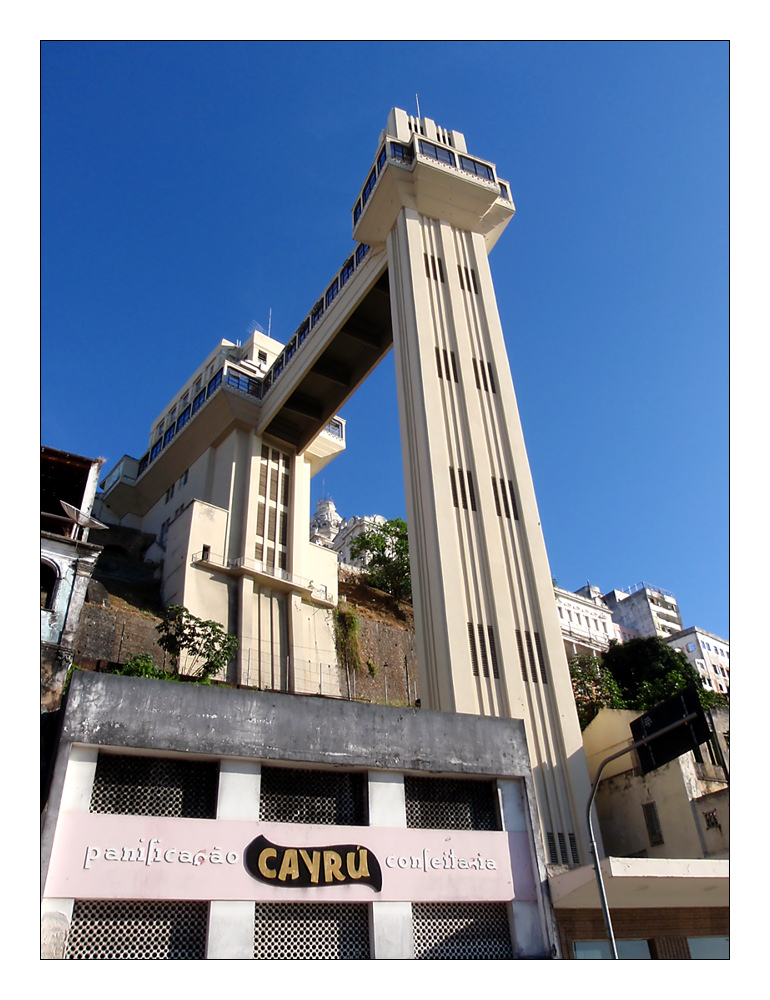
189	822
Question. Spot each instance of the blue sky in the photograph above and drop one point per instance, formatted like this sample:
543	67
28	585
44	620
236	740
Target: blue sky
190	188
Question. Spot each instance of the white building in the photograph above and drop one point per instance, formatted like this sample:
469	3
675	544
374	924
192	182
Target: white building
646	609
325	523
586	622
229	508
67	560
708	653
330	530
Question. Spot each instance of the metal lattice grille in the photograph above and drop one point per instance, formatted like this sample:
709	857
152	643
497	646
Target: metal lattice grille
103	928
311	930
461	930
450	804
304	796
155	786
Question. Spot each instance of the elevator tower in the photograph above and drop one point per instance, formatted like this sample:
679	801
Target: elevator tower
488	638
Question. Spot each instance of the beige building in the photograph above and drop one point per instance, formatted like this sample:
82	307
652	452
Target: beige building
708	653
228	496
229	509
645	609
667	838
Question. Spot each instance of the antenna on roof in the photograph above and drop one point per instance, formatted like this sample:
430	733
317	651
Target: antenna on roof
417	101
269	322
81	519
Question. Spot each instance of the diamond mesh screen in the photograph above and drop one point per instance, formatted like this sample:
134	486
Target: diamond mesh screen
304	796
311	930
450	804
155	786
131	929
461	930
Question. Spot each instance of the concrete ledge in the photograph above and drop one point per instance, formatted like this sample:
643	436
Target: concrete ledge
162	716
645	882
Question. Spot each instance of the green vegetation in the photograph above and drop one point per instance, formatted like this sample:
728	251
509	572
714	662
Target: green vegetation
207	649
206	646
637	675
346	629
386	549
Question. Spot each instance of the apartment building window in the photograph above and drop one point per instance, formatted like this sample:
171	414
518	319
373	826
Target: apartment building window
651	819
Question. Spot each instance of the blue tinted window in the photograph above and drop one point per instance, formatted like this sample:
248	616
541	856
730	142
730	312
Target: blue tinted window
215	382
184	416
629	950
437	153
156	449
169	435
199	401
347	271
331	294
709	947
402	153
474	167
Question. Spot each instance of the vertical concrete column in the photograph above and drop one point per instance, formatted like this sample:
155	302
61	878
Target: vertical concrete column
231	921
390	923
56	914
528	922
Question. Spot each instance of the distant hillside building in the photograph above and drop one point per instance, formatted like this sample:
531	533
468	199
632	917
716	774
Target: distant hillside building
331	531
325	523
586	623
646	609
708	653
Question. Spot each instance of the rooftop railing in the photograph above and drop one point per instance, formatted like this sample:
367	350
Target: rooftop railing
647	586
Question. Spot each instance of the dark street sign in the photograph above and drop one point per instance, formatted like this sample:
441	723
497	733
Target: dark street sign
677	741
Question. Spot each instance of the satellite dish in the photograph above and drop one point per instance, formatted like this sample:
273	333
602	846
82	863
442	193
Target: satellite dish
80	518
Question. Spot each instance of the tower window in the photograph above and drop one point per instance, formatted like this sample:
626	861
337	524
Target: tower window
433	267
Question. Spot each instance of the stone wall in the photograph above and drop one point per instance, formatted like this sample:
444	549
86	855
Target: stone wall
388	674
107	636
388	664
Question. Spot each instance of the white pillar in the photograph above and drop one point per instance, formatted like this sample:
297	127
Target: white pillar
231	921
527	918
390	923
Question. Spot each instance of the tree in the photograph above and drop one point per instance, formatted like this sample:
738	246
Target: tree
594	688
207	647
385	548
638	675
647	671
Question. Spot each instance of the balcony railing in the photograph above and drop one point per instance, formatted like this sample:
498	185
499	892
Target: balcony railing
257	567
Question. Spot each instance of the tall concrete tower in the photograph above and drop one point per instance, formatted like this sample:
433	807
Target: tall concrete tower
487	630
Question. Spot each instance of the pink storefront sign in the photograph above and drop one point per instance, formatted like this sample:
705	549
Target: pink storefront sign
97	856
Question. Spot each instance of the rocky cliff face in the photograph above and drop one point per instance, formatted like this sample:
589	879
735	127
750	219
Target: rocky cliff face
111	635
